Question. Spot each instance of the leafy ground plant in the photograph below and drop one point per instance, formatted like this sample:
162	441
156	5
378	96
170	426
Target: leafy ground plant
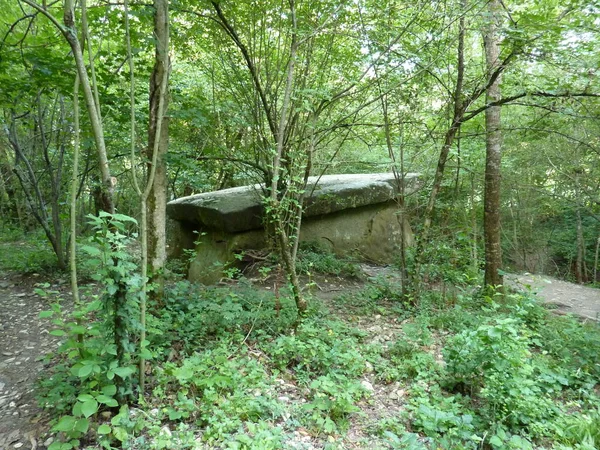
233	372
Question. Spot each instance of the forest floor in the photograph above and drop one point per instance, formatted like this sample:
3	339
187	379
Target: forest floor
563	297
24	340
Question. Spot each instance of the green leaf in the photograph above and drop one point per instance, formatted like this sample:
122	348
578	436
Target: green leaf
85	397
82	425
494	332
66	423
111	349
85	371
89	408
108	401
60	446
78	329
496	441
120	433
124	372
123	218
109	390
46	314
57	332
90	250
104	429
183	374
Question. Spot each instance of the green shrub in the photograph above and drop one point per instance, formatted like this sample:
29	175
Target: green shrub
216	390
582	429
313	259
574	345
443	418
493	363
332	400
31	253
192	315
319	347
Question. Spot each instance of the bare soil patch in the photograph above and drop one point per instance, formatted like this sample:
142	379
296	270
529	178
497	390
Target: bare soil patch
565	297
24	340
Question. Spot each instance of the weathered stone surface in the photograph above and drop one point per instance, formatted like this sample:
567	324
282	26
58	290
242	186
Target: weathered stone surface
352	215
371	233
240	209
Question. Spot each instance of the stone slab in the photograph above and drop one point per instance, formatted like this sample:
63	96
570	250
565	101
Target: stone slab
369	233
241	209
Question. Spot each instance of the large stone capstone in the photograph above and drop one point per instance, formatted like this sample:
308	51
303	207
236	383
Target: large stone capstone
350	214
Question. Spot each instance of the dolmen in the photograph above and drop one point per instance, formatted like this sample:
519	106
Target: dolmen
351	215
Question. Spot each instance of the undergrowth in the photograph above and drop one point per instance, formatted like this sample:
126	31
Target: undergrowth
313	258
232	368
26	253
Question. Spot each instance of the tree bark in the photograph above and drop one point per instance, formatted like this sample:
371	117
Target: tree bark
9	202
580	270
457	119
157	198
493	156
596	261
105	195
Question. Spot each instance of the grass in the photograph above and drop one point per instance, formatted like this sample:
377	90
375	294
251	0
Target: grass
25	253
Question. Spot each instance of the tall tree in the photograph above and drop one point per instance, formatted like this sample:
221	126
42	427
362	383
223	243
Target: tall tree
493	145
90	91
157	198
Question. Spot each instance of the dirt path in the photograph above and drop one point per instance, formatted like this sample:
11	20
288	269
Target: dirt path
567	298
24	339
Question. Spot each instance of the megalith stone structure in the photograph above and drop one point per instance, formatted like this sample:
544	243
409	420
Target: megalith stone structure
351	214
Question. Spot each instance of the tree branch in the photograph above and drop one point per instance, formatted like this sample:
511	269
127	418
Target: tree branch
512	98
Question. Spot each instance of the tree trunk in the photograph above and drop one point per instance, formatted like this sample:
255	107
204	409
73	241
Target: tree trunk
474	252
157	199
457	117
105	195
493	156
596	261
9	203
580	274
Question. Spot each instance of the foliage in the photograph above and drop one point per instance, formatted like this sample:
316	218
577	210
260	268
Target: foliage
94	362
25	253
229	373
277	91
192	315
439	416
313	259
582	428
494	363
332	399
319	347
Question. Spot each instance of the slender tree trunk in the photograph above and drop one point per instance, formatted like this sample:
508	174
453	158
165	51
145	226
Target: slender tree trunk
596	260
9	201
474	252
580	261
457	117
157	199
159	92
286	245
105	197
493	159
73	196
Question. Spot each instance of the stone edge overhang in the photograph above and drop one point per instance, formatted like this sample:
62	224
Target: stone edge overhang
241	209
